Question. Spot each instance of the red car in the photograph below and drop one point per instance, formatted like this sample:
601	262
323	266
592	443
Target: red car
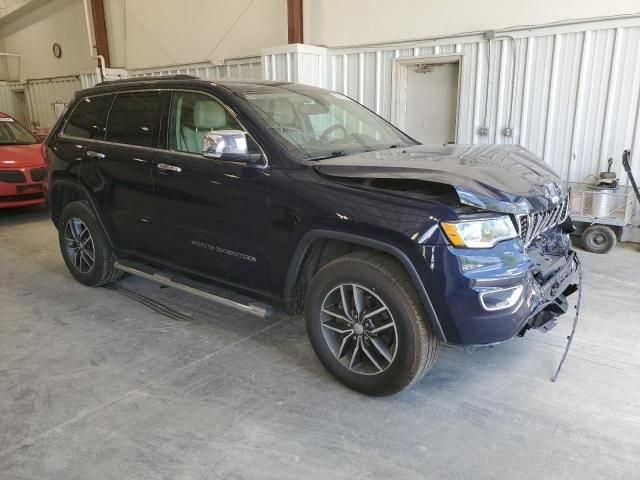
21	165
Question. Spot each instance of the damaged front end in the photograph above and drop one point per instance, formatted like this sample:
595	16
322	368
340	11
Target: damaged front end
528	281
488	295
494	246
555	279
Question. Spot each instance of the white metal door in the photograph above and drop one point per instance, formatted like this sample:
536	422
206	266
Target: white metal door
432	102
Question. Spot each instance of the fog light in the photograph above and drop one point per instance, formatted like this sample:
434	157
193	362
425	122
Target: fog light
501	298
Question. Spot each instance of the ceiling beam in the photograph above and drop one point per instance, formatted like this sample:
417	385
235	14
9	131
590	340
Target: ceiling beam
294	16
12	11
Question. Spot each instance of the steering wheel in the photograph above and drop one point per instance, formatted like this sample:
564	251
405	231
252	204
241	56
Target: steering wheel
325	135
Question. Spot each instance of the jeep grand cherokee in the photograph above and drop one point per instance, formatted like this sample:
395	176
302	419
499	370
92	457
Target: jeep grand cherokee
306	200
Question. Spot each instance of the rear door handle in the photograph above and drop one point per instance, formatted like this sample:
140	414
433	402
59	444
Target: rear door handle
169	168
92	154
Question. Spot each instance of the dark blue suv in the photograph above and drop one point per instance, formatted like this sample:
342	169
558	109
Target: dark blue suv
302	199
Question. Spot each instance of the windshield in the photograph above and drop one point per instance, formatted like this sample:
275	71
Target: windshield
317	124
12	133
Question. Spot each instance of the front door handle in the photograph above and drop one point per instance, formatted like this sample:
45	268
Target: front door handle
92	154
169	168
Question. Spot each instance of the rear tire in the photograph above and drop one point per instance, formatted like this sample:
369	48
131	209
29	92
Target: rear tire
599	239
85	248
377	353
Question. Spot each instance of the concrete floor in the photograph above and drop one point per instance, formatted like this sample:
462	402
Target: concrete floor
94	385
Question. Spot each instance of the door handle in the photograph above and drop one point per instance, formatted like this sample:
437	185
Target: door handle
92	154
169	168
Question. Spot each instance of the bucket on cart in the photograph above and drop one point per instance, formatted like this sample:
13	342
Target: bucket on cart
605	203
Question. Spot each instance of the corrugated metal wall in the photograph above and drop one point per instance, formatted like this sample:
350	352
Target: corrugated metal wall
570	93
41	94
6	100
249	68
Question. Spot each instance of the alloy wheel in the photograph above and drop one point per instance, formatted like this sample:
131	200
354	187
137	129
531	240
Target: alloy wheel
79	245
359	329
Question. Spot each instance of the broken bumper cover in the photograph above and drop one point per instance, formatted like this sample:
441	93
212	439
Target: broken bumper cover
489	296
552	295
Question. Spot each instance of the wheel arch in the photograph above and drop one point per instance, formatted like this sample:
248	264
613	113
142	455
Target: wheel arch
64	191
311	248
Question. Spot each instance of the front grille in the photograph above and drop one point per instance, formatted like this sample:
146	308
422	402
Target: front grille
37	174
21	198
534	224
12	176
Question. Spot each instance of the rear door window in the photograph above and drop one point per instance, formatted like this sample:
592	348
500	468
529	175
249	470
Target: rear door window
135	118
89	117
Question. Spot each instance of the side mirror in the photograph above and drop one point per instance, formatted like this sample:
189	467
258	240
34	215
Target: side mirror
227	145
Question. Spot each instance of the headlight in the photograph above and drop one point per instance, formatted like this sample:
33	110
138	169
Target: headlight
480	233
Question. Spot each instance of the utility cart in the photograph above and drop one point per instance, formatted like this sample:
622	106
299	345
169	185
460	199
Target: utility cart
600	213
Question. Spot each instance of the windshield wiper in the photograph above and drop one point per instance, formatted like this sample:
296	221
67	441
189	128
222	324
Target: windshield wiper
337	153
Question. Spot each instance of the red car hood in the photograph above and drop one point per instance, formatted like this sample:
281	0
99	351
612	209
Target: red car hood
20	156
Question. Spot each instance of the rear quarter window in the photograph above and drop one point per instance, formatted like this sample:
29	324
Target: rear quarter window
89	118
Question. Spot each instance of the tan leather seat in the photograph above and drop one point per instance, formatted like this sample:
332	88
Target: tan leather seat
283	113
208	115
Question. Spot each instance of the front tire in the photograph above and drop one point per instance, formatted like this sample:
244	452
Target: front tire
367	325
85	247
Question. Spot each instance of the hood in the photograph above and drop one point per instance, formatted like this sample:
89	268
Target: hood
502	178
21	156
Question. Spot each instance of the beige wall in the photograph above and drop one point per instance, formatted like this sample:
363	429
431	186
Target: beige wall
354	22
167	32
152	33
32	36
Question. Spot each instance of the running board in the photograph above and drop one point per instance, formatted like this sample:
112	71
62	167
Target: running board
190	286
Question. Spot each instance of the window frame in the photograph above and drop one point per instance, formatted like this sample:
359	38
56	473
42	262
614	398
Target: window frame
163	141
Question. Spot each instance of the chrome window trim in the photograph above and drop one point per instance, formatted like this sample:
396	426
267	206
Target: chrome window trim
263	165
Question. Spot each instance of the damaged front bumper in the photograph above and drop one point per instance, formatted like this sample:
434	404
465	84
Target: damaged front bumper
491	295
552	295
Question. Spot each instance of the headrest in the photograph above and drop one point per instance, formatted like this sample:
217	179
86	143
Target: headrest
282	112
209	115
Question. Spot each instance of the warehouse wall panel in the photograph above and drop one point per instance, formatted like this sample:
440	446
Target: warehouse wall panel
248	68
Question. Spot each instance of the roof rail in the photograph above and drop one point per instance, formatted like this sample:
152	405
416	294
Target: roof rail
147	79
